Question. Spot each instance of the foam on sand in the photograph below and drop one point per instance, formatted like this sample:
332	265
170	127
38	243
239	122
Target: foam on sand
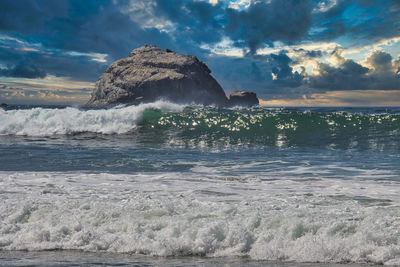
323	220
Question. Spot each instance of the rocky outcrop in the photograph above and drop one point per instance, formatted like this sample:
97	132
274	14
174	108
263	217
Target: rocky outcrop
239	98
150	74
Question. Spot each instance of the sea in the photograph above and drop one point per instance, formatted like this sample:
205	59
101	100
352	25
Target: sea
162	184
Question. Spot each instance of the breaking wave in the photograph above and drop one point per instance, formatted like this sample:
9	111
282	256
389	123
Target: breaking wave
47	121
168	123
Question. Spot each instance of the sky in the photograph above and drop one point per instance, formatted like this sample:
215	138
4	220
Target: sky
290	52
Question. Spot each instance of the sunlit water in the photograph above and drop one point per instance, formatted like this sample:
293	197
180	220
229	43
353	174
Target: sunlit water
202	185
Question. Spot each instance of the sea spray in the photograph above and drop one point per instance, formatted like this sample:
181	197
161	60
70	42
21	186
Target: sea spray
46	121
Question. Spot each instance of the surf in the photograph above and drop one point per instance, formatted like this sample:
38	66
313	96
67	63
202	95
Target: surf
63	121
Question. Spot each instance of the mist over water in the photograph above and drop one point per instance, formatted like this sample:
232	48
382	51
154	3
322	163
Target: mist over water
301	184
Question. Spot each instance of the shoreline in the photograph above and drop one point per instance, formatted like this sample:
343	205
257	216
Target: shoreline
81	258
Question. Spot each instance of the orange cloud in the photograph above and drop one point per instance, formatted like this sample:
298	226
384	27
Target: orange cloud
341	98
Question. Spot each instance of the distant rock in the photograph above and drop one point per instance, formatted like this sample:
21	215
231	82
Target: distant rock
150	74
239	98
3	105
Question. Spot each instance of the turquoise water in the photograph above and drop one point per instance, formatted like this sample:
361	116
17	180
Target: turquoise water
284	185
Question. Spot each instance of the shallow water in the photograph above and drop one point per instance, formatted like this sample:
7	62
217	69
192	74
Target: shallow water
76	258
223	186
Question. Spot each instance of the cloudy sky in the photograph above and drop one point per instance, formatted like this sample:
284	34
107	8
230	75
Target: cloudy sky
290	52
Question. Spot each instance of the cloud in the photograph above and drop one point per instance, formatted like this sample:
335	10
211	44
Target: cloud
340	98
264	74
360	22
23	69
264	22
81	26
193	23
49	89
308	54
380	62
384	71
282	72
276	43
379	73
38	64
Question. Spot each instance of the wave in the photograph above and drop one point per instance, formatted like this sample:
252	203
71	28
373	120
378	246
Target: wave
172	124
46	121
290	128
326	220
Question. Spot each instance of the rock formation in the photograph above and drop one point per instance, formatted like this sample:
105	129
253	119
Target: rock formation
239	98
150	74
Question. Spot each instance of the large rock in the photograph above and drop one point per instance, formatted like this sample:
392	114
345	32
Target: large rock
150	74
239	98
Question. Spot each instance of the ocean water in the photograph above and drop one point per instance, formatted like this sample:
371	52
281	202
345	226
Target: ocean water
167	184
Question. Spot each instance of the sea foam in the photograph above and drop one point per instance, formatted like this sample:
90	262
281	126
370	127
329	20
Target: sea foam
178	214
45	121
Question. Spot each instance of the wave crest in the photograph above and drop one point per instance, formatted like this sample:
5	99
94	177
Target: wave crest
46	121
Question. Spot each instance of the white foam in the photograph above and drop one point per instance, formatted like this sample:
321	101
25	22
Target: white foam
44	121
325	220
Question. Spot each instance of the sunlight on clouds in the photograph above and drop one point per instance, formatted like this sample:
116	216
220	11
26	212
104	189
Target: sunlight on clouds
310	66
336	58
9	38
98	57
388	41
325	6
51	81
390	45
239	4
29	49
225	48
143	13
248	42
19	44
325	47
48	90
341	98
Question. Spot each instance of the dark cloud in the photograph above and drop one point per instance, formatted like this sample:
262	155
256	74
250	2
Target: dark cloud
63	26
308	54
263	74
264	22
349	75
108	31
82	26
23	69
194	23
29	16
38	64
54	29
380	61
283	74
384	71
362	21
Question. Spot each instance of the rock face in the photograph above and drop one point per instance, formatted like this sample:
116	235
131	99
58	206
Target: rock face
239	98
150	74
